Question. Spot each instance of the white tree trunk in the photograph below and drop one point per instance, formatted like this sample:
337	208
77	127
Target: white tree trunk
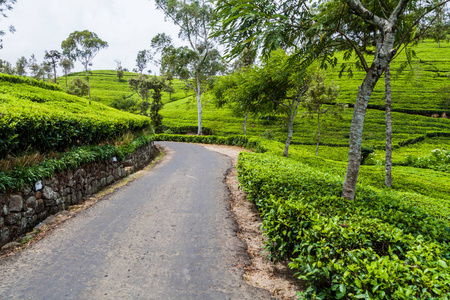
388	164
290	131
199	107
89	85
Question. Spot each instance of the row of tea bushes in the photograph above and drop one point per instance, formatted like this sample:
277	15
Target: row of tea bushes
382	245
37	119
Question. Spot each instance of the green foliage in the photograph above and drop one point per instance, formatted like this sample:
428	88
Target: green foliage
78	87
234	140
384	244
438	160
188	130
45	120
18	177
444	94
365	152
30	81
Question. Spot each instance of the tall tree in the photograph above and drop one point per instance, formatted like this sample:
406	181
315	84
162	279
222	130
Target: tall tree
67	65
46	70
236	91
147	87
197	63
119	70
142	59
34	67
322	29
321	100
21	65
6	67
83	46
53	57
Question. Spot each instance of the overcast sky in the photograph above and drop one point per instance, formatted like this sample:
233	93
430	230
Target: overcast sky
128	27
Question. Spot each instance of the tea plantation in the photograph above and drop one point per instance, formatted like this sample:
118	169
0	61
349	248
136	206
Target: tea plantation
389	243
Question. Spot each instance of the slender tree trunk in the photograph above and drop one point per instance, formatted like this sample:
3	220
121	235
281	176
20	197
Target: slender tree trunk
244	125
388	165
290	131
356	128
66	81
54	72
318	133
89	85
199	107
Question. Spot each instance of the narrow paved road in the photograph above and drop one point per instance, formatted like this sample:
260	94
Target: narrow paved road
166	235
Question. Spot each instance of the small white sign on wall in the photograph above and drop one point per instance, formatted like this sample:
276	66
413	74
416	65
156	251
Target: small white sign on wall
114	159
38	185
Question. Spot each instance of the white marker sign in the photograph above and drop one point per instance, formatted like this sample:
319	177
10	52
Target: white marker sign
38	185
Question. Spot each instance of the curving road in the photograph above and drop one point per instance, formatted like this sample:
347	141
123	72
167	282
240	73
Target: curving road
166	235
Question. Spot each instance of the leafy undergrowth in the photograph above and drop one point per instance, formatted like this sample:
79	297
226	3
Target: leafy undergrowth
383	245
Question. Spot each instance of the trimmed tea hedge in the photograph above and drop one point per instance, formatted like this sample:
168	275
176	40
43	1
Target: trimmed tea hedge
33	118
232	140
382	245
30	81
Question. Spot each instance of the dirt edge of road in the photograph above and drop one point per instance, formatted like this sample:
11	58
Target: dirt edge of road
262	273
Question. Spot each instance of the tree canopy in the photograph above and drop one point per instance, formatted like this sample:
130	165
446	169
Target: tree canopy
196	63
83	46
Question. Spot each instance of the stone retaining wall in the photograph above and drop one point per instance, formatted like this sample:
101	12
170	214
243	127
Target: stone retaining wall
22	210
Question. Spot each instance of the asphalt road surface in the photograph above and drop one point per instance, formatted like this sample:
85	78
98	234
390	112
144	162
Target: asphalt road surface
166	235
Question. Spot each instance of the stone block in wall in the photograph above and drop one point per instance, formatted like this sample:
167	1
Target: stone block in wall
23	225
13	219
103	182
28	213
48	193
40	205
89	190
31	202
49	202
95	186
109	179
79	196
79	174
4	235
2	221
5	210
15	203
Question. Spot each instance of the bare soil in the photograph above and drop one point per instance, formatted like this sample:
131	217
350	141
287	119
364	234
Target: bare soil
277	278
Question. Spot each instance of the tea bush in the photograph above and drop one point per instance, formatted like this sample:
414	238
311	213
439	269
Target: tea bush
382	245
438	159
34	118
30	81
